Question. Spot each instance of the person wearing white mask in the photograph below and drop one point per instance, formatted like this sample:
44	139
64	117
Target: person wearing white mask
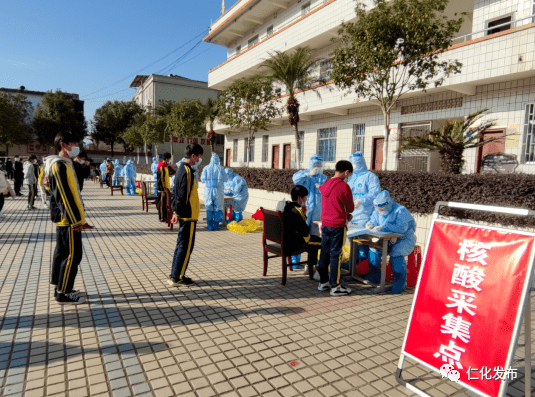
30	180
18	173
67	211
186	211
5	187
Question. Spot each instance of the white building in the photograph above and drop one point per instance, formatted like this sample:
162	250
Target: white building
498	73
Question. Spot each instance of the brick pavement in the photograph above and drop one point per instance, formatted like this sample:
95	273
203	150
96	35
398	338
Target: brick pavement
234	333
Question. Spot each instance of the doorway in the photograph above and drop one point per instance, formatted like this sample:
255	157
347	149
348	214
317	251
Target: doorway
227	162
275	156
490	148
287	155
377	157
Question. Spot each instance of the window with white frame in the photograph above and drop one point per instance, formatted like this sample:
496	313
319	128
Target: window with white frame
305	8
252	41
301	145
270	30
359	131
327	143
238	49
265	148
235	150
528	149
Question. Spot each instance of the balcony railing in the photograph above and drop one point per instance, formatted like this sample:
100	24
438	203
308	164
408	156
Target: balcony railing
485	32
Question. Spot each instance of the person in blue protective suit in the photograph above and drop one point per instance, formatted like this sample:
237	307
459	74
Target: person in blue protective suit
129	173
312	179
117	172
194	168
236	187
103	171
154	169
213	176
365	187
391	217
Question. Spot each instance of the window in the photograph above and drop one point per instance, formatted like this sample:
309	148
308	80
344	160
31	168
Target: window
326	68
219	139
265	148
252	41
498	22
251	151
327	144
235	150
359	130
238	49
529	134
278	91
305	8
270	30
301	145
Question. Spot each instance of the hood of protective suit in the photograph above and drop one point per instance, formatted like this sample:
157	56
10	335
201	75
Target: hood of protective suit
315	159
359	165
116	162
215	159
155	160
129	162
384	202
229	172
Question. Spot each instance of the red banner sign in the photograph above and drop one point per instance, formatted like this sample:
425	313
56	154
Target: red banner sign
35	147
468	304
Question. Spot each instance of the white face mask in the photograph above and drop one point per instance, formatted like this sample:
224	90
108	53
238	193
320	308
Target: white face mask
82	162
199	162
17	159
75	150
35	161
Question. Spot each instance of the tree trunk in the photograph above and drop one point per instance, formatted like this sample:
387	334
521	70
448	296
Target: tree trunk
385	147
112	144
171	140
155	145
297	147
292	107
249	147
7	150
146	154
137	155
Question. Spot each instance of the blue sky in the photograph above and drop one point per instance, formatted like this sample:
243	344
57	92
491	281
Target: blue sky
85	47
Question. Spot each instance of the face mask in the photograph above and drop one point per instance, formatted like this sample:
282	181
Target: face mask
82	162
75	150
199	162
35	161
17	159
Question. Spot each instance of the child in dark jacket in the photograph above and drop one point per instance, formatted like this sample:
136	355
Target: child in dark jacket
296	231
336	208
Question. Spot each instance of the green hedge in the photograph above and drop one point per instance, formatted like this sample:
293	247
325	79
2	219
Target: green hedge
420	191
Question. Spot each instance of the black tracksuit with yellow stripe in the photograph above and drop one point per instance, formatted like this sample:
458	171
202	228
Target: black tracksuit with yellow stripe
187	208
297	232
67	211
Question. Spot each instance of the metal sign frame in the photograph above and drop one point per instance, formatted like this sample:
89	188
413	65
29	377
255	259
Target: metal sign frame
524	311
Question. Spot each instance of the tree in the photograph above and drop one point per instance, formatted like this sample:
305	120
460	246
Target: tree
292	70
212	109
393	49
453	140
113	118
249	104
187	118
133	137
58	113
154	129
14	113
163	109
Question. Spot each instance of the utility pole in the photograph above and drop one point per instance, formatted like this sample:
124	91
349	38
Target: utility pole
222	7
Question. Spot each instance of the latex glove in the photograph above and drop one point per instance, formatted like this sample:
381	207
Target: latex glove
394	240
318	185
314	171
357	203
369	226
377	229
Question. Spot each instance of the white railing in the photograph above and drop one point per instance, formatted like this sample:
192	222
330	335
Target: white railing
512	24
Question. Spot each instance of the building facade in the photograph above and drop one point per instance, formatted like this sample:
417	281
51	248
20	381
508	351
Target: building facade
154	89
496	46
33	146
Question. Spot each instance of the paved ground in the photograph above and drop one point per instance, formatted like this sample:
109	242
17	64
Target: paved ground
235	333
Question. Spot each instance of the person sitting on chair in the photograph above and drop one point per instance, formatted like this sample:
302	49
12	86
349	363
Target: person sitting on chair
296	230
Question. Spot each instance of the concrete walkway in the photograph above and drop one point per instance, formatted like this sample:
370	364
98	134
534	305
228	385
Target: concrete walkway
234	333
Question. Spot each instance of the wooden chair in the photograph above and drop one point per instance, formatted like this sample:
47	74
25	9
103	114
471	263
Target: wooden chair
168	199
147	199
119	187
274	234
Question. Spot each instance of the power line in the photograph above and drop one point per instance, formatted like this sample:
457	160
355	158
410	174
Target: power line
180	64
172	64
146	67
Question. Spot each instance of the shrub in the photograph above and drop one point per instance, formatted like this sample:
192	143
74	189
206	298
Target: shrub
420	191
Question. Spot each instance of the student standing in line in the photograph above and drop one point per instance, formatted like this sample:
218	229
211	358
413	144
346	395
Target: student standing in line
186	211
30	180
163	182
18	173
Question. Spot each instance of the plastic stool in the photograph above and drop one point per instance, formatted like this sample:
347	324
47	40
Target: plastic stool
414	263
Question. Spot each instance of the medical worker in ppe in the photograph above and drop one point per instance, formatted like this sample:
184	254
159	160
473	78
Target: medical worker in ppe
391	217
312	179
365	187
103	171
236	187
193	167
117	172
213	176
154	169
129	174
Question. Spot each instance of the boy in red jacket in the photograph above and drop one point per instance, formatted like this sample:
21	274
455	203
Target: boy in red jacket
336	208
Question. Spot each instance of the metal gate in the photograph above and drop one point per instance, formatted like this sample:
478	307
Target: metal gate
414	159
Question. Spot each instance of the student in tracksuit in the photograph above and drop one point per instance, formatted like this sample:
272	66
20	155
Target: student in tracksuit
163	182
67	211
186	211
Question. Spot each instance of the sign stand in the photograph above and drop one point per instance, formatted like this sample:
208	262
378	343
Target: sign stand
525	302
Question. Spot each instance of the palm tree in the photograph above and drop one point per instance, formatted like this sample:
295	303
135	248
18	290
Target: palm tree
292	70
212	108
452	141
